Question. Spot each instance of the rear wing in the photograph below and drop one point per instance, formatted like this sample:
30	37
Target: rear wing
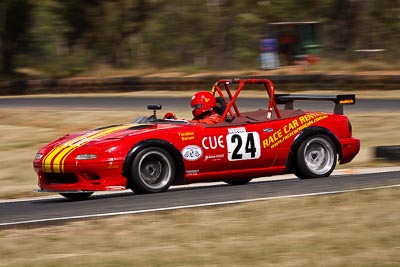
339	100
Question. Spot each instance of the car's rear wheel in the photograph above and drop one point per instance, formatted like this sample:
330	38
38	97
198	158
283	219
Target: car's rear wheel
316	157
238	181
152	171
77	196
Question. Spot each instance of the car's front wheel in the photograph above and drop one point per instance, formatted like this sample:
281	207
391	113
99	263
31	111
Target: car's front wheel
152	171
316	157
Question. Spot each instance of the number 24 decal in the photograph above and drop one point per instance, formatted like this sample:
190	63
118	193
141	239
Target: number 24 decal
242	146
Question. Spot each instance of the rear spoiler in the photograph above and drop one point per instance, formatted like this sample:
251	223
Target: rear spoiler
339	100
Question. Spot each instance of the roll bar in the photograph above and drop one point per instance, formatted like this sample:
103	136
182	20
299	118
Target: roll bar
268	85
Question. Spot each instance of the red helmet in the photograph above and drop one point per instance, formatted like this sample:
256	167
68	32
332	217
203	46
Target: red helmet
202	102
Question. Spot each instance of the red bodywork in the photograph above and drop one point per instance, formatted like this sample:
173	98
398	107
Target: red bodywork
245	144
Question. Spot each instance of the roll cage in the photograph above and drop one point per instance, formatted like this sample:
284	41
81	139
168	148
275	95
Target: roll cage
227	107
232	109
231	104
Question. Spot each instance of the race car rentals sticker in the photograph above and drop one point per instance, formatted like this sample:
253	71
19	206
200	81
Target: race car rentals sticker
192	152
243	145
292	128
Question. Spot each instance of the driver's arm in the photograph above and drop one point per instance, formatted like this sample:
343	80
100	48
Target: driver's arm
170	116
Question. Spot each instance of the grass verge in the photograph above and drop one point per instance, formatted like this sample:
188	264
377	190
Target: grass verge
349	229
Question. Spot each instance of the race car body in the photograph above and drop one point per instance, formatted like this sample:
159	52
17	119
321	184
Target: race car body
150	154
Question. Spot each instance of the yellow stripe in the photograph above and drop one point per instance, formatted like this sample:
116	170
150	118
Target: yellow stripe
85	141
46	168
69	147
58	164
62	152
47	160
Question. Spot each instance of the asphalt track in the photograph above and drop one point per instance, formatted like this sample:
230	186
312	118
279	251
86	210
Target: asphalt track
171	103
45	211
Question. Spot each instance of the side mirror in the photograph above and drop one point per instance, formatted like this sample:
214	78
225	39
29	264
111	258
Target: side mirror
154	107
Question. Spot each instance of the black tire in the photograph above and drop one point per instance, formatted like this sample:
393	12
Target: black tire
238	181
77	196
316	157
390	153
152	171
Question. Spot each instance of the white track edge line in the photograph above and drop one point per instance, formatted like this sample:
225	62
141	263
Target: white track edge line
194	206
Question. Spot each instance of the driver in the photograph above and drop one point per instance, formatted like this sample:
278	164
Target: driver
203	106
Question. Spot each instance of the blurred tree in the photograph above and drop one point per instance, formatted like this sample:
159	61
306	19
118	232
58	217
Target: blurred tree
212	33
386	16
51	49
104	26
365	24
74	15
122	19
70	36
344	18
177	34
14	22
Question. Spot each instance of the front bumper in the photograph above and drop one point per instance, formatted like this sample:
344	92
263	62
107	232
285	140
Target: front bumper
83	177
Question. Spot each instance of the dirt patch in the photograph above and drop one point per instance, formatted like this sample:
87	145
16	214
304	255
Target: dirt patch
349	229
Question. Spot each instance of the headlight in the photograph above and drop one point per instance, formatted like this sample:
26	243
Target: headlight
38	156
86	156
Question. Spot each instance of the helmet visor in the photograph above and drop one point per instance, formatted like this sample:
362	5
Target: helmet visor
196	107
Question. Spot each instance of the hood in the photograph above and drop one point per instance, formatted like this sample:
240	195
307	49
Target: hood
101	134
105	135
57	152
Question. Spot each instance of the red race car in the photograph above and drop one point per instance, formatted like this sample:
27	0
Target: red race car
150	154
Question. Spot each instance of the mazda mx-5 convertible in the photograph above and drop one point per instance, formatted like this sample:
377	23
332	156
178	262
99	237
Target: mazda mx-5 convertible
150	154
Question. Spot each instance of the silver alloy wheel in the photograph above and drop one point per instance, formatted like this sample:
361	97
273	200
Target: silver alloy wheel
319	155
155	170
